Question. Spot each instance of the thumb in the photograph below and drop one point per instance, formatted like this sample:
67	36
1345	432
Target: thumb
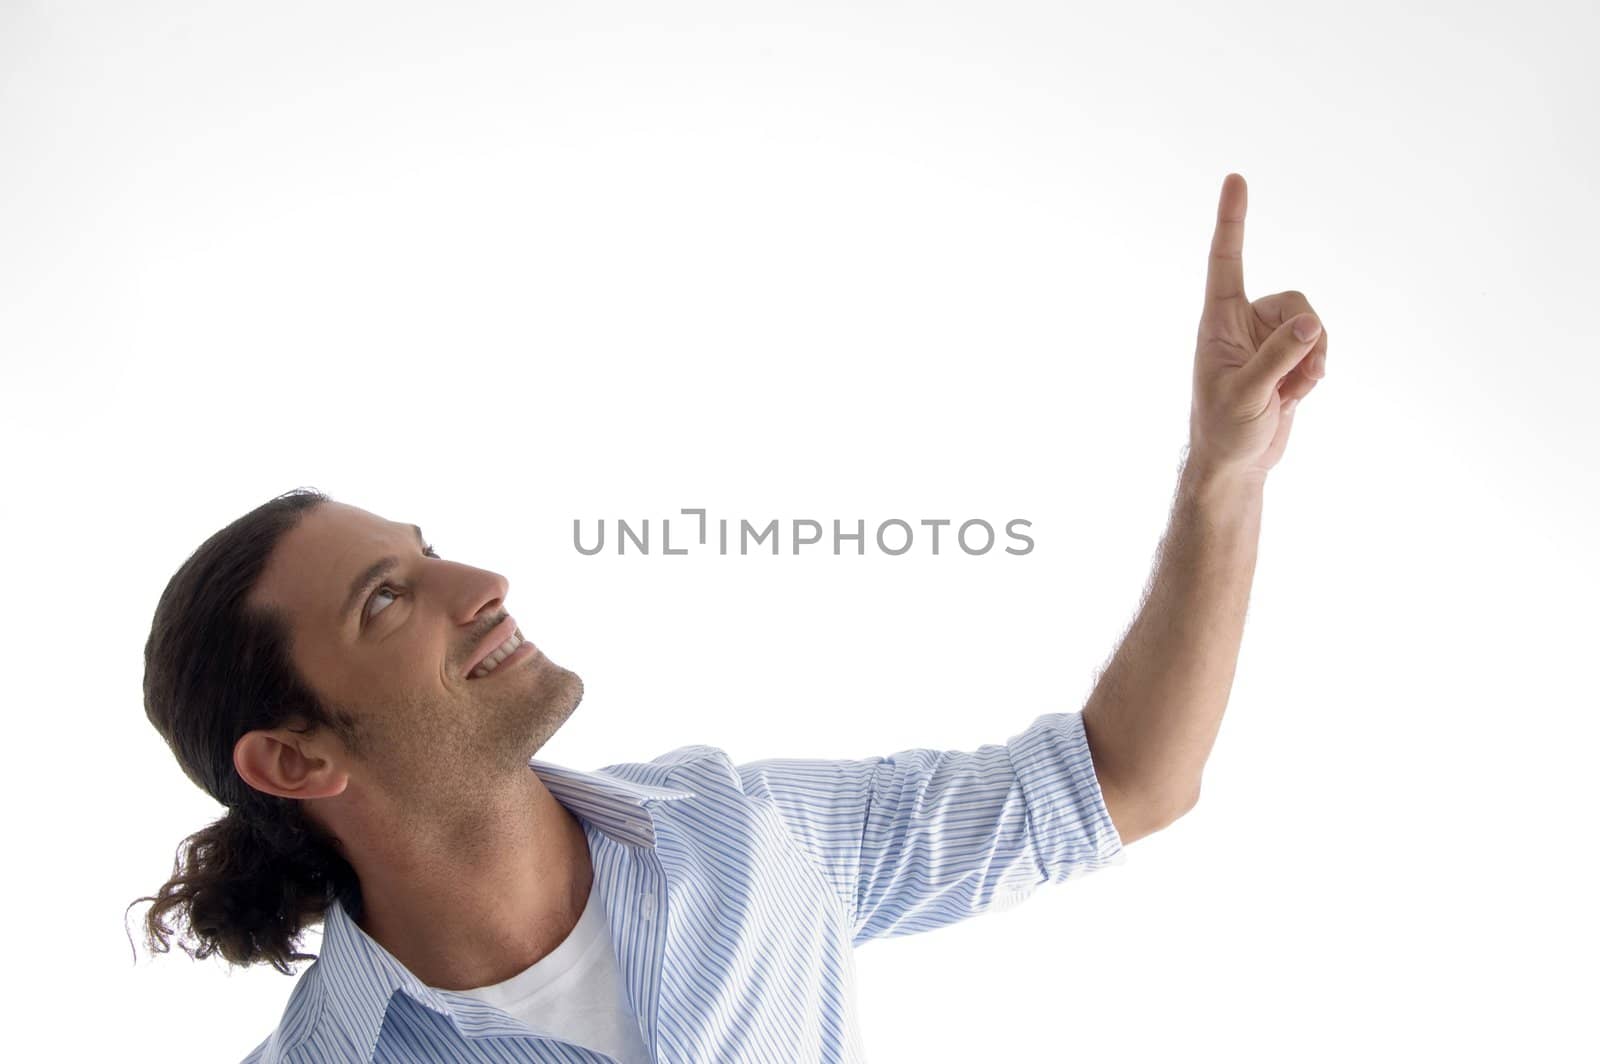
1281	352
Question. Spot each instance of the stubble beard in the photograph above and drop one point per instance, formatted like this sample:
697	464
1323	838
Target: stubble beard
526	720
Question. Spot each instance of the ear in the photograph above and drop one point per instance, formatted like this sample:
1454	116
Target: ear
285	763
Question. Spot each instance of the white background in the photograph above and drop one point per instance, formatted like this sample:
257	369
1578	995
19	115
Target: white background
494	267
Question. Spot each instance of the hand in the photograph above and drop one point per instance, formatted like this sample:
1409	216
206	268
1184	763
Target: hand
1250	369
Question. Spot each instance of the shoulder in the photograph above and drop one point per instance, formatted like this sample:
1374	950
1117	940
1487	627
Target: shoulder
265	1053
689	755
676	769
707	773
287	1044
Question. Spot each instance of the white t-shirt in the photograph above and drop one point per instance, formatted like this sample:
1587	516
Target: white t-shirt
575	991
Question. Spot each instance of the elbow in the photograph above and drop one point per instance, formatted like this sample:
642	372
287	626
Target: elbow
1169	812
1194	800
1181	807
1164	815
1138	812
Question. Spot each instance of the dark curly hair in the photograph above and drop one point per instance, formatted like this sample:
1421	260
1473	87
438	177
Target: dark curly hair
250	883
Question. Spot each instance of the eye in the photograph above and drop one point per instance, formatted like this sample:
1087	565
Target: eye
427	552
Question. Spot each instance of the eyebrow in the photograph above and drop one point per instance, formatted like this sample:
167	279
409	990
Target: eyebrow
368	578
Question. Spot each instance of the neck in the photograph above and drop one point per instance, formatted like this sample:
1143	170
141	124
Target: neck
472	900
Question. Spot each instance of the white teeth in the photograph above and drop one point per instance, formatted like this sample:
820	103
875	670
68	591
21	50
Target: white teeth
498	656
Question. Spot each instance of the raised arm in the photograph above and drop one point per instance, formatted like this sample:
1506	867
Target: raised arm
1156	710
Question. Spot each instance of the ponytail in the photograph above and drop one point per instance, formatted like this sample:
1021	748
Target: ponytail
249	883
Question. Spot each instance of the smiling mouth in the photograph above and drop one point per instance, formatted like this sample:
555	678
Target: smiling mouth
514	642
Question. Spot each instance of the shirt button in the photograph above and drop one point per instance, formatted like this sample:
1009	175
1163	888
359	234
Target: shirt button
647	905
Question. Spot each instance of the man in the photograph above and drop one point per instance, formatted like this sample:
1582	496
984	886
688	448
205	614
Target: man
368	711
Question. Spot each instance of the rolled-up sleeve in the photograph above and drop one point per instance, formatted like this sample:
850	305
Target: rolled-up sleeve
924	838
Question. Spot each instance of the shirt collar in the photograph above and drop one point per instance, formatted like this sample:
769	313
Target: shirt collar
358	976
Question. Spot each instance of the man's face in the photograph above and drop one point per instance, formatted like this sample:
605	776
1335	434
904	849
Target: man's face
394	655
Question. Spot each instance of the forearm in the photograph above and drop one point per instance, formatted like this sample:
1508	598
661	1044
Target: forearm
1156	710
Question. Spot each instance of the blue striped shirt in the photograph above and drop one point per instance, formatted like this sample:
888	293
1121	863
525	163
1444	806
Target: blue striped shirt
735	895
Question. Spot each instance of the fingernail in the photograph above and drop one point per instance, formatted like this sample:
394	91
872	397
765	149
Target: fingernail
1307	327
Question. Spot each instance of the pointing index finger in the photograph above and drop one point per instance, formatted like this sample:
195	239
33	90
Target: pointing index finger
1225	275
